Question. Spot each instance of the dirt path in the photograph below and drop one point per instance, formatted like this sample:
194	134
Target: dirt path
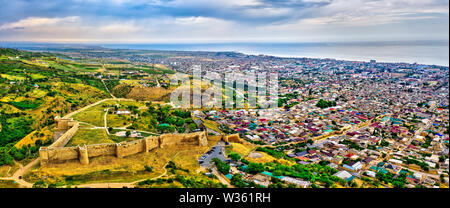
18	175
94	104
107	89
106	121
221	179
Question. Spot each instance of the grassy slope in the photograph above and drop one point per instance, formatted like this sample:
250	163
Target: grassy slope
89	136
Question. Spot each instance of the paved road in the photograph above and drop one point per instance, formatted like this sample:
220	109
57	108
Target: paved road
217	151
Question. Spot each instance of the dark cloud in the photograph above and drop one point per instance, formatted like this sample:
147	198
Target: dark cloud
225	19
254	14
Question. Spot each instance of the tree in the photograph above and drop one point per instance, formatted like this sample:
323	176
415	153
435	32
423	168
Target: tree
180	122
325	104
127	133
5	157
353	184
398	184
254	168
192	126
171	129
291	185
148	168
276	183
277	172
237	181
171	120
234	156
221	166
39	184
384	143
19	156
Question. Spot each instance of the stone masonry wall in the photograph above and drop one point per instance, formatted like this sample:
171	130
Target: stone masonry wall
65	138
58	154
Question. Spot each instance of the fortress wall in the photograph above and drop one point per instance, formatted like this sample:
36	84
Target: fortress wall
203	139
130	148
232	138
151	143
83	155
216	137
57	154
170	139
123	149
101	150
65	138
174	139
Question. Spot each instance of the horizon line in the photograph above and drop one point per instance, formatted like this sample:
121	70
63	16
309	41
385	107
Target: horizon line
222	42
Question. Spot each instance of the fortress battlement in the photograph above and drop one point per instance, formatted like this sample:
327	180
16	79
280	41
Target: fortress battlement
59	154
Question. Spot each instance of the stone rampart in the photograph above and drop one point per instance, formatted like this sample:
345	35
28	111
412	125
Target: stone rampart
65	138
198	138
59	154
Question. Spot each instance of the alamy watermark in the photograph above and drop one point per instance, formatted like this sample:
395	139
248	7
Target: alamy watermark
228	90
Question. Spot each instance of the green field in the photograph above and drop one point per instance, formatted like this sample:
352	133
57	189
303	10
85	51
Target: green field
37	76
93	115
12	77
89	136
115	120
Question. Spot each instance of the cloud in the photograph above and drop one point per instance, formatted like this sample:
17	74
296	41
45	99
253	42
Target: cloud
33	22
232	20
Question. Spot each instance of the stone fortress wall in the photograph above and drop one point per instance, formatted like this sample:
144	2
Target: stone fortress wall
57	153
60	154
68	125
227	138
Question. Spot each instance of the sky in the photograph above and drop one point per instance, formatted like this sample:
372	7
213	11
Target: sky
212	21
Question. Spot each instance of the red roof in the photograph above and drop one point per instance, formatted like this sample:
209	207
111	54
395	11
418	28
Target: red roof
411	179
362	117
302	158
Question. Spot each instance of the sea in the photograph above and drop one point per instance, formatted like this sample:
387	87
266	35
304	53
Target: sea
420	52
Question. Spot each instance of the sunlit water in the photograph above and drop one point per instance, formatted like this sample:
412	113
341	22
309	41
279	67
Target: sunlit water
426	52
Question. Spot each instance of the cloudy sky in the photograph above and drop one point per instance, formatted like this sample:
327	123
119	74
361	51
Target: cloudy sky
185	21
